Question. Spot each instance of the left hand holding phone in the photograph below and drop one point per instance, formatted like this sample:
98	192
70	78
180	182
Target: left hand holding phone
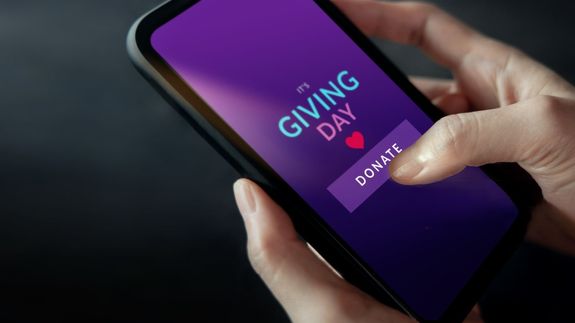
304	285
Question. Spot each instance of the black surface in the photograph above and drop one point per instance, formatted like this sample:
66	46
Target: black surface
112	208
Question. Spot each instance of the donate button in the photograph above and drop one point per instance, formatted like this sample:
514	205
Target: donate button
368	174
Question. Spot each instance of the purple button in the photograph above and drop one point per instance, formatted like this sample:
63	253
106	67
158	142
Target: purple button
359	182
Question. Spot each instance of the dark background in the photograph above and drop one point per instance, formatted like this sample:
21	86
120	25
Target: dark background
113	209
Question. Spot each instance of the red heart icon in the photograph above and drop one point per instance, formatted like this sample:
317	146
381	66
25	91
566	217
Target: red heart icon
355	141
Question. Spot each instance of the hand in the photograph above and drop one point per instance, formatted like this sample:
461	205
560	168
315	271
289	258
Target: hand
520	111
304	285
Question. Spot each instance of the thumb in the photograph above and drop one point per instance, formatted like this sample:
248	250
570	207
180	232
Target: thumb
507	134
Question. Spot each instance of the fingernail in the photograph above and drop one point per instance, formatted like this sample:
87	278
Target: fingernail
408	170
244	197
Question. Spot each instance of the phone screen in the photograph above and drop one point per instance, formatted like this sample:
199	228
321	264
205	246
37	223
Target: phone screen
329	121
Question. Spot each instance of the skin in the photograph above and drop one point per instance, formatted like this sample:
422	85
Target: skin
503	107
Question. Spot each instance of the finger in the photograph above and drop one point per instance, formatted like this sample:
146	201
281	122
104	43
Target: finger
433	88
452	103
474	316
443	93
547	228
297	278
482	137
445	39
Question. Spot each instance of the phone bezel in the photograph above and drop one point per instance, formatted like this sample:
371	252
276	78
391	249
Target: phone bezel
308	223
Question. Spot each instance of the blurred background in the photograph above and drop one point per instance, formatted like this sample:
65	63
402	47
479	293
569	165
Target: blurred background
113	209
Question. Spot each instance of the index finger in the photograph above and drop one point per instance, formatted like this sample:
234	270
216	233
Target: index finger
445	39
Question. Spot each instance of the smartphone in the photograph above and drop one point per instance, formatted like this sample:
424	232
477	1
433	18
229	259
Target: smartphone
299	100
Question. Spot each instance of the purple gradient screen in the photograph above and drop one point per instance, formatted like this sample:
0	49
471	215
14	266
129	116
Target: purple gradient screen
299	91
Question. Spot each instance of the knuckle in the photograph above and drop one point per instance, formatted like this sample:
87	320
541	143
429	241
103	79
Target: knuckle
423	11
452	130
424	7
263	254
553	113
551	119
548	105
